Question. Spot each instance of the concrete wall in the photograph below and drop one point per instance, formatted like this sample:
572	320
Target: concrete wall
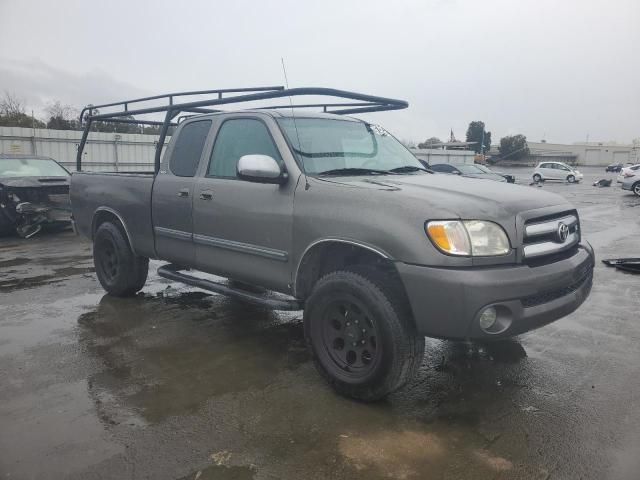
437	155
587	153
103	152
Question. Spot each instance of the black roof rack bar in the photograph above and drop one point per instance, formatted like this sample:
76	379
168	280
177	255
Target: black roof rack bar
364	104
372	108
136	122
322	105
376	104
170	96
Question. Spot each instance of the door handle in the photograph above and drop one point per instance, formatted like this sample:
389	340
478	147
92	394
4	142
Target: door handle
183	193
206	195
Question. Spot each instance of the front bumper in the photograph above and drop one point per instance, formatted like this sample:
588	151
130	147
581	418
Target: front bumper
447	302
627	185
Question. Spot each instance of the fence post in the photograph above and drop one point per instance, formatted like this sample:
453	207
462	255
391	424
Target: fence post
116	139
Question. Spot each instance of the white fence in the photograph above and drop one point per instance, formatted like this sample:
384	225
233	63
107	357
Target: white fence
119	152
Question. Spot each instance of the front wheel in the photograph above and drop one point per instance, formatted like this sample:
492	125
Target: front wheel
361	334
571	179
120	272
636	188
537	178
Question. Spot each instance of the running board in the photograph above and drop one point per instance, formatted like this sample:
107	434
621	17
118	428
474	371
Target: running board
172	272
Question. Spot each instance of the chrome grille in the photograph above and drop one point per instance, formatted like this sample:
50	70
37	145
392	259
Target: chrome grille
547	236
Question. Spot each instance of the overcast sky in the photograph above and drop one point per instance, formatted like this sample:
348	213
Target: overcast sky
559	70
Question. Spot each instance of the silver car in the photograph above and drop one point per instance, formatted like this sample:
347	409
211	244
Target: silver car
632	183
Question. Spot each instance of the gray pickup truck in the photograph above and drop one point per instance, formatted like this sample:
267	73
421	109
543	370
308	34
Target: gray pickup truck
341	220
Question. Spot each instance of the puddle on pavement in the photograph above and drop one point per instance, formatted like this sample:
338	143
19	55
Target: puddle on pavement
14	262
164	357
58	275
221	472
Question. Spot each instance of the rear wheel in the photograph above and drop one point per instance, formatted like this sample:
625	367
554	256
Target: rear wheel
120	272
537	178
361	334
571	179
636	188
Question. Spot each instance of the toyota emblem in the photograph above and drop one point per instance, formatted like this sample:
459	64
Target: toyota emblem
563	232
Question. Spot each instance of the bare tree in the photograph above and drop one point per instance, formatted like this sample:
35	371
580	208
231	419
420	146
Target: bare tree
11	105
13	113
61	116
59	110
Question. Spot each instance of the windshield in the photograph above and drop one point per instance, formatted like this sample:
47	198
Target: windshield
470	169
30	167
325	145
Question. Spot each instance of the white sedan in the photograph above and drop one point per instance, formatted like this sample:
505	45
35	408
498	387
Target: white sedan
627	172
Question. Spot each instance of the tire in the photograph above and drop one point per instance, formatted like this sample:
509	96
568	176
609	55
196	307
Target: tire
120	272
635	188
374	353
537	178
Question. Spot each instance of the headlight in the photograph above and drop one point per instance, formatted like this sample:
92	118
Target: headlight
469	237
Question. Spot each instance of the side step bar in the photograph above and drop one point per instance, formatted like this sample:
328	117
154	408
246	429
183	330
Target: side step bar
172	272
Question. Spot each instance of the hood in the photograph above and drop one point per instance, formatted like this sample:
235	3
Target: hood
486	176
465	197
33	182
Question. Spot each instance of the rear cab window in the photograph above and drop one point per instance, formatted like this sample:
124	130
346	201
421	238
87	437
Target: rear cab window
188	148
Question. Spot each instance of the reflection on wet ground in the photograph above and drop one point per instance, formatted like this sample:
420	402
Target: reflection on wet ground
209	354
175	383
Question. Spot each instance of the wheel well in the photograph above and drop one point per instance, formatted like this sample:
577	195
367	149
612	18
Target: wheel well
104	216
326	257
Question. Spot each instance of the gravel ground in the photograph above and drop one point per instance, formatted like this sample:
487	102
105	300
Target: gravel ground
178	384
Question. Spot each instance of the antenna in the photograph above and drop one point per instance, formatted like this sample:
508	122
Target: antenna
295	126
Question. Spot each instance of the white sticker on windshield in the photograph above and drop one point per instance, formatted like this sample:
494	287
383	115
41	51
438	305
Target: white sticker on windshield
378	130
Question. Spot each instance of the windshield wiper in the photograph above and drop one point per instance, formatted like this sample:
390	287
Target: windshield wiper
409	168
355	171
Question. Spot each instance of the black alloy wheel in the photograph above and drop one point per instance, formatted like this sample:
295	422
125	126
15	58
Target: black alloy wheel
350	338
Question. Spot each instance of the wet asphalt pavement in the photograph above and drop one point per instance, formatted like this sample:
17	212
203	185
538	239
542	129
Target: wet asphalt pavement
178	384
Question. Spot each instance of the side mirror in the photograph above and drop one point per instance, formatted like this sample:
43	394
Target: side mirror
260	169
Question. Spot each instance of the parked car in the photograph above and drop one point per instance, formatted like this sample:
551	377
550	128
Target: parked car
627	172
507	176
34	193
556	171
632	182
467	170
341	220
614	167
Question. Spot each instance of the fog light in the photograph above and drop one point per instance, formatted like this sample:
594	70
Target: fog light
488	318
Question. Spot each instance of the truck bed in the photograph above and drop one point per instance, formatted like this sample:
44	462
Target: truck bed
126	195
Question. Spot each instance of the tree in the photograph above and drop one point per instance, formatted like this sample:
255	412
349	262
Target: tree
513	147
62	117
12	113
408	143
429	142
477	133
112	127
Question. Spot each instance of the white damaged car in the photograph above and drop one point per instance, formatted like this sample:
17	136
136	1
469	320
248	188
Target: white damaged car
546	171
